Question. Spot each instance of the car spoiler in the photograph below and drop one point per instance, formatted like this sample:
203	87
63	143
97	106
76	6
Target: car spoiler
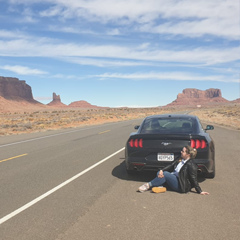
167	136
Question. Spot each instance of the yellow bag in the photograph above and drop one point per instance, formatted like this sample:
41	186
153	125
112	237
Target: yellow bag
159	189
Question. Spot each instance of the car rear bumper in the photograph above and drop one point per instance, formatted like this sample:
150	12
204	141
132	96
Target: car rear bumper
141	165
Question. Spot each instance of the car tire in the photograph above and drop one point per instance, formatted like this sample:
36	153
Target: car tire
212	174
130	171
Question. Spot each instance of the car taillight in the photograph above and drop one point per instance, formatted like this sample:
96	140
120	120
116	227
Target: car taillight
137	143
197	143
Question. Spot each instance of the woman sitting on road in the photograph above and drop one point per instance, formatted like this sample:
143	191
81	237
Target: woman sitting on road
180	176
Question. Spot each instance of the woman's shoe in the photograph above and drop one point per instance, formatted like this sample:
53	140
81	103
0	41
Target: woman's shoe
144	187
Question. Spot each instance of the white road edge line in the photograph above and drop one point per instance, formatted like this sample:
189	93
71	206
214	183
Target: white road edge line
19	210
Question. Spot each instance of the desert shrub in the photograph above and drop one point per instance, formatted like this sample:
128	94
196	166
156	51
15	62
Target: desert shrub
5	126
27	126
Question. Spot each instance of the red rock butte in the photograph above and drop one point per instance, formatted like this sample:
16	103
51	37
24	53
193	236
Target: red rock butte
83	104
15	95
56	102
15	89
192	96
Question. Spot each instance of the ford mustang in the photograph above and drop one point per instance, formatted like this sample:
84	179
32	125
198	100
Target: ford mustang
160	138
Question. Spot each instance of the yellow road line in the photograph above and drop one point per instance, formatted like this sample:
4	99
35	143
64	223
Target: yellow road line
104	132
4	160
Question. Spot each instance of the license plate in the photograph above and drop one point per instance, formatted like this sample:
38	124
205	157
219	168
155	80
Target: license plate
165	157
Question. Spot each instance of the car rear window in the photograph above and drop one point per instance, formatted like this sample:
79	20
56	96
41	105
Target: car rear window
167	125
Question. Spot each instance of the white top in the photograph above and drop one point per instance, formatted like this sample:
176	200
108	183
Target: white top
179	166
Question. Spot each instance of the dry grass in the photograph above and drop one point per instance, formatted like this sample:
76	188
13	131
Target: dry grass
17	122
43	120
228	116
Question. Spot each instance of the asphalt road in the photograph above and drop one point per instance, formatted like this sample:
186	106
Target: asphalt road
72	184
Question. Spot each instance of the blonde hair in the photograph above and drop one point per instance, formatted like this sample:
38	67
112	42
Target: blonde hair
191	151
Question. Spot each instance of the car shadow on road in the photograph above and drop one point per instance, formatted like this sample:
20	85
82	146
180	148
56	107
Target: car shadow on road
121	173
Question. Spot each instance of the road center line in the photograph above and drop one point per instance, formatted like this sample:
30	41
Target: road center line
55	135
39	138
104	132
4	160
26	206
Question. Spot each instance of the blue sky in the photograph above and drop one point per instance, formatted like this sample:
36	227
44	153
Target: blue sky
135	53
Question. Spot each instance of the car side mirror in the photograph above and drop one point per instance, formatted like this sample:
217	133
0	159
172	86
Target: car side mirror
209	127
136	127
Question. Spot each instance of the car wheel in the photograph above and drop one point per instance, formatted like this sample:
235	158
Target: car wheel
212	174
130	171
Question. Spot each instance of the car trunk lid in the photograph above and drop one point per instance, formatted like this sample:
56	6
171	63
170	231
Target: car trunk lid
164	142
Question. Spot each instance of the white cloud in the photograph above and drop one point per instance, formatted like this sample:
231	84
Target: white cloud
11	34
185	17
69	29
29	16
22	70
114	31
52	11
215	27
62	76
51	48
107	63
176	76
219	18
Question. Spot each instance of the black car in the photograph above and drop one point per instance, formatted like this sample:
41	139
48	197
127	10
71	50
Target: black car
160	139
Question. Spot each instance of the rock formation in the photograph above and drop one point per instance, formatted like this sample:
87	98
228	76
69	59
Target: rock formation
192	96
56	102
82	104
15	89
236	101
16	95
195	93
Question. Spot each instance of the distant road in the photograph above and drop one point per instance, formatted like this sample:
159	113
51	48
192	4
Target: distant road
72	184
